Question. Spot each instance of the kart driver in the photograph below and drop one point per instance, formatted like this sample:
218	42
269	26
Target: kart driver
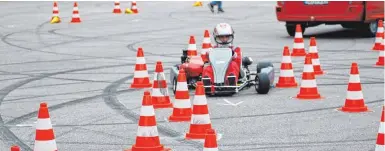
224	36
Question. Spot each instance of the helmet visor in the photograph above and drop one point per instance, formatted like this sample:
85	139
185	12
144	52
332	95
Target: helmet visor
224	39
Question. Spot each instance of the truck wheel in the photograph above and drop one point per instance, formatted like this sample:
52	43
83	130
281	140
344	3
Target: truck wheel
174	83
262	83
262	65
290	28
349	26
369	29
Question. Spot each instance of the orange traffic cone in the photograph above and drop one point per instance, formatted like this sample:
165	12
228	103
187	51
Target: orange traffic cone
182	105
286	77
206	46
379	43
200	120
141	78
160	96
45	137
380	145
210	141
192	47
134	8
380	61
299	46
308	88
117	9
15	148
147	138
75	14
315	58
55	12
354	99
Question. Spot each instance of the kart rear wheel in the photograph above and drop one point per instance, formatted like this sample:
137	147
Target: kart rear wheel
174	83
262	65
262	83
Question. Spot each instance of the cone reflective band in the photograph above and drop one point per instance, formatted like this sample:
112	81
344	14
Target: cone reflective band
380	143
380	61
354	98
182	106
117	9
308	88
313	51
379	41
134	8
206	46
45	138
298	46
15	148
75	14
141	77
160	96
286	78
200	119
210	141
147	137
192	47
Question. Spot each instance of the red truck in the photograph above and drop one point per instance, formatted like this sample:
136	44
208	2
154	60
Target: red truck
361	15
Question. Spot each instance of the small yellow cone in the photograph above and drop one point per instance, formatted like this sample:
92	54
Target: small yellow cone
197	4
128	11
55	20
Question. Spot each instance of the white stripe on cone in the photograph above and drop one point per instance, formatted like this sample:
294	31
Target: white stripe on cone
200	119
354	78
298	35
182	103
354	95
181	86
75	16
147	111
55	15
286	73
378	40
206	40
286	59
44	124
192	47
210	149
308	68
381	54
141	74
313	49
200	100
380	29
75	9
299	45
55	9
140	60
117	7
315	62
308	84
45	145
156	92
147	131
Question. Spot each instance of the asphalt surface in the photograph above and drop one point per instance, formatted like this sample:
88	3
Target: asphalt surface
83	71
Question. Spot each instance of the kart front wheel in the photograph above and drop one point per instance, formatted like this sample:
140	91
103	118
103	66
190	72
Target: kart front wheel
262	83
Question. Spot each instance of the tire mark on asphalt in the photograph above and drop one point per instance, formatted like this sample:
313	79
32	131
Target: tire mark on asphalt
110	98
6	133
291	112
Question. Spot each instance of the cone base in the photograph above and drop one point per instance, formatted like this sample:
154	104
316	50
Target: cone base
308	96
158	106
179	118
354	109
190	136
379	64
286	85
319	72
117	11
157	148
299	54
75	21
139	86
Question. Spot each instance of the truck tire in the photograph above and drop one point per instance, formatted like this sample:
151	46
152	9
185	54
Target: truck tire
369	29
290	28
262	83
262	65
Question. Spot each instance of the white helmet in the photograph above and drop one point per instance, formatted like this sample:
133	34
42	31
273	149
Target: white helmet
223	30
